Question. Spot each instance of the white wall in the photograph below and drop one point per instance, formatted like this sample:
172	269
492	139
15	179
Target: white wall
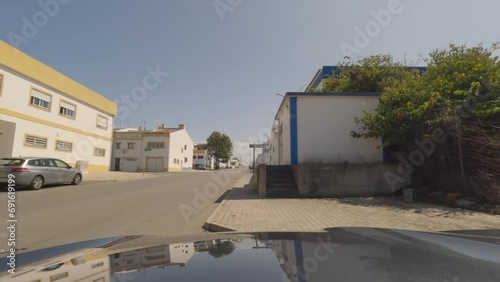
181	148
324	126
283	116
204	161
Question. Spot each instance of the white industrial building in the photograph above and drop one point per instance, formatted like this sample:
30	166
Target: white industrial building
316	128
162	149
201	158
44	113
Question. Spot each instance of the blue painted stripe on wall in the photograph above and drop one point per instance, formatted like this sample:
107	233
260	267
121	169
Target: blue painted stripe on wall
299	260
293	131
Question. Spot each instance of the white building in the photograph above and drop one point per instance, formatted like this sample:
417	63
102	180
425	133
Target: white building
163	149
156	256
201	158
44	113
85	265
316	128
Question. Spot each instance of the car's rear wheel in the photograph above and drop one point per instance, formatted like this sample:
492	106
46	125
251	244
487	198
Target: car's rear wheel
37	182
77	179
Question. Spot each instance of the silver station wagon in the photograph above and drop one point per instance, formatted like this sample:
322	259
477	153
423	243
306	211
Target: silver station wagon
36	172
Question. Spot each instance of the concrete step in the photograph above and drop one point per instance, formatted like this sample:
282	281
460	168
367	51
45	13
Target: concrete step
282	193
281	186
277	168
281	178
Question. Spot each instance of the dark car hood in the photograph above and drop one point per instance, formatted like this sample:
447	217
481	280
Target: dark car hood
344	254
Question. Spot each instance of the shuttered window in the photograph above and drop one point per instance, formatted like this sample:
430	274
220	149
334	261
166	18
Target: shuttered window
64	146
99	152
40	99
67	109
102	122
35	141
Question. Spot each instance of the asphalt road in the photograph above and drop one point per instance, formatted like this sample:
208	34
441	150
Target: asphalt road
175	204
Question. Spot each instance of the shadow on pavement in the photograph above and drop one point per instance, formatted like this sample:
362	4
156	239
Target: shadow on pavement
396	203
247	192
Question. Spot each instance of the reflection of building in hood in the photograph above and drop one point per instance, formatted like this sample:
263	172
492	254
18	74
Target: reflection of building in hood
157	256
202	246
89	264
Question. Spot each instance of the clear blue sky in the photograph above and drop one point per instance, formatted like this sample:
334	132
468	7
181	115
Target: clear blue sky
225	71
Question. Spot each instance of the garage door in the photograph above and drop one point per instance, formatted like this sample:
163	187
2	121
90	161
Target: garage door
129	165
154	164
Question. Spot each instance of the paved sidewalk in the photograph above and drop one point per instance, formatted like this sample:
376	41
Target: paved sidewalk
119	176
243	211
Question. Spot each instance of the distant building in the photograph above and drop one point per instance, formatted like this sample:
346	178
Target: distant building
161	256
162	149
47	114
201	158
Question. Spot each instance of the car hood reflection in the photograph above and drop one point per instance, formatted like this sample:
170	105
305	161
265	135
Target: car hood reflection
345	254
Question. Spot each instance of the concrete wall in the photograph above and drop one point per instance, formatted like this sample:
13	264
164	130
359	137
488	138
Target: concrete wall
324	126
81	131
346	180
282	157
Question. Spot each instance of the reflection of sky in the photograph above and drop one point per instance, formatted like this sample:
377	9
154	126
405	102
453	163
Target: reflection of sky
242	265
475	249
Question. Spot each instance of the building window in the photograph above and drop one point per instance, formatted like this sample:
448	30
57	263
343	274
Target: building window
118	145
185	160
99	152
102	122
185	147
96	265
67	109
155	249
131	146
194	157
39	99
156	145
35	141
59	276
64	146
200	157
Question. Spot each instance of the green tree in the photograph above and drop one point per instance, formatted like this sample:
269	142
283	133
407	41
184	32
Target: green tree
220	249
370	74
460	80
220	146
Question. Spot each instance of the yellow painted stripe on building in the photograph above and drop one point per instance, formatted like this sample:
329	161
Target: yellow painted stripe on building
30	67
98	168
174	169
95	255
50	123
199	151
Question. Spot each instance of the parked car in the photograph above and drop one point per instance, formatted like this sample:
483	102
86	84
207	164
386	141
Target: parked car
36	172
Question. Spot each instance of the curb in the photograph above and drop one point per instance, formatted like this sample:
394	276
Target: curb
121	179
209	224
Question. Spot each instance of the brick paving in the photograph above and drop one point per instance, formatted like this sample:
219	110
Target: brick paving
242	210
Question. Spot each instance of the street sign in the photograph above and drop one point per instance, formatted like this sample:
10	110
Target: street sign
258	145
147	149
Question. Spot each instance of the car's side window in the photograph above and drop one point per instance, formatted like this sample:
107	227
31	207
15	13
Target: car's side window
34	162
47	162
61	164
